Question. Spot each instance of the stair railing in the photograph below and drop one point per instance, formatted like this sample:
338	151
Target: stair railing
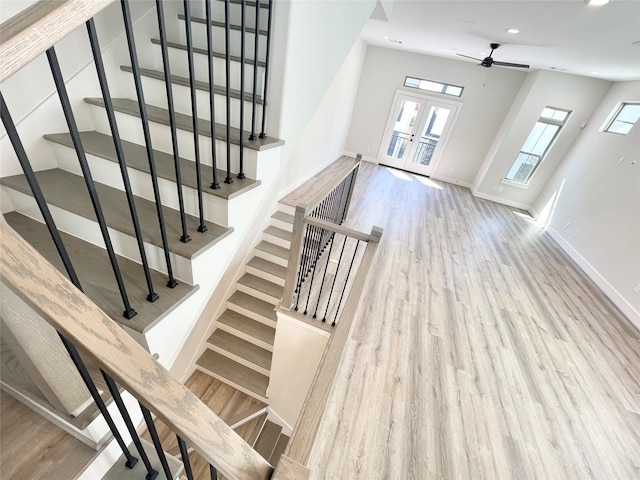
83	327
315	233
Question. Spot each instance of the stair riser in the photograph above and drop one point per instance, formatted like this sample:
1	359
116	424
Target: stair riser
245	336
251	314
240	360
200	33
234	385
179	64
257	294
277	240
130	128
155	94
282	224
267	276
272	258
217	13
89	231
103	171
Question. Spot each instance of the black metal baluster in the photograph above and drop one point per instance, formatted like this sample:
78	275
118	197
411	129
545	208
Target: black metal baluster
243	32
266	71
213	473
255	73
301	268
185	238
324	275
227	29
135	68
346	280
88	381
14	138
156	441
313	277
333	284
212	112
194	113
111	115
185	457
117	398
93	194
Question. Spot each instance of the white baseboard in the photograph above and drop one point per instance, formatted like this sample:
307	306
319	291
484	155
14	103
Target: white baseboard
454	181
619	301
366	158
275	418
503	201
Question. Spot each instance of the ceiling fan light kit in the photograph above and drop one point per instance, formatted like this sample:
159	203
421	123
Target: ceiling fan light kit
488	62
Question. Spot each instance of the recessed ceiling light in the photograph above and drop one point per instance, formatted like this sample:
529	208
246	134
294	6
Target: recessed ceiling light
595	73
596	3
513	30
385	37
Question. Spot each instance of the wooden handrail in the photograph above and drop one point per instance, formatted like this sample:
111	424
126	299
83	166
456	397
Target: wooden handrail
38	27
306	429
326	189
71	313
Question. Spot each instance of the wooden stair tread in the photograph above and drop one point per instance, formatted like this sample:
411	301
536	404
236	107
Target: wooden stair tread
101	145
200	85
120	472
203	51
69	192
273	249
246	301
241	348
278	450
278	232
96	276
285	217
225	368
249	326
266	266
262	285
184	122
267	439
215	23
249	431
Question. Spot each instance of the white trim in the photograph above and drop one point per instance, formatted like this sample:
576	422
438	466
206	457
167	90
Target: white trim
503	201
451	180
311	174
616	297
366	158
275	418
513	183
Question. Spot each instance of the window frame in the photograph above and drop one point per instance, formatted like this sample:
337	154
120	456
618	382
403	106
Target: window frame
542	156
407	77
613	117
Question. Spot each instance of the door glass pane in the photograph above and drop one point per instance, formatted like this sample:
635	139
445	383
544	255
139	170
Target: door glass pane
403	129
436	121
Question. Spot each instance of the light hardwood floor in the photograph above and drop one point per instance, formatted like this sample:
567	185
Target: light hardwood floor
480	351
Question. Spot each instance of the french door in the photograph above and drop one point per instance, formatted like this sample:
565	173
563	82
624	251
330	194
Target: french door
417	132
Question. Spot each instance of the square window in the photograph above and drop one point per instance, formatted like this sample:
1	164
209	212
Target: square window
625	118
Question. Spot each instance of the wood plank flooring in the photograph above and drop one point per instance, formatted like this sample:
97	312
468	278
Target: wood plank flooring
480	351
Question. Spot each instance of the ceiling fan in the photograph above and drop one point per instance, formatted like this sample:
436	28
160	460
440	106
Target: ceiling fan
488	62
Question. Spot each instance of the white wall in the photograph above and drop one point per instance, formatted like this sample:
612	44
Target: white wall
597	199
484	107
542	89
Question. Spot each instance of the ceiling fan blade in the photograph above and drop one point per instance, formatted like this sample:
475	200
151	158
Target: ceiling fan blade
467	56
507	64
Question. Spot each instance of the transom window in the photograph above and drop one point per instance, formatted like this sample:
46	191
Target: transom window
623	118
433	86
538	143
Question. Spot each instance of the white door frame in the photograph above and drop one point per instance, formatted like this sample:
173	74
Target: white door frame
442	145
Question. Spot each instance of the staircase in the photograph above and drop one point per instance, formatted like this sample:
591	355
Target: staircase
239	350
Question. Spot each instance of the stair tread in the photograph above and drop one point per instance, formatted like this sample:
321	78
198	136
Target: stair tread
278	232
94	271
101	145
247	325
285	217
203	51
248	302
264	4
278	450
241	348
267	439
266	266
69	192
234	372
250	430
262	285
273	249
200	85
216	23
184	122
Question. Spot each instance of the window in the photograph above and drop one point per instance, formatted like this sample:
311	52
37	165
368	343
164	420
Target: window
623	118
432	86
538	143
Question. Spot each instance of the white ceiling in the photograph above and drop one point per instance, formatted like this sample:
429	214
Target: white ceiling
563	35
